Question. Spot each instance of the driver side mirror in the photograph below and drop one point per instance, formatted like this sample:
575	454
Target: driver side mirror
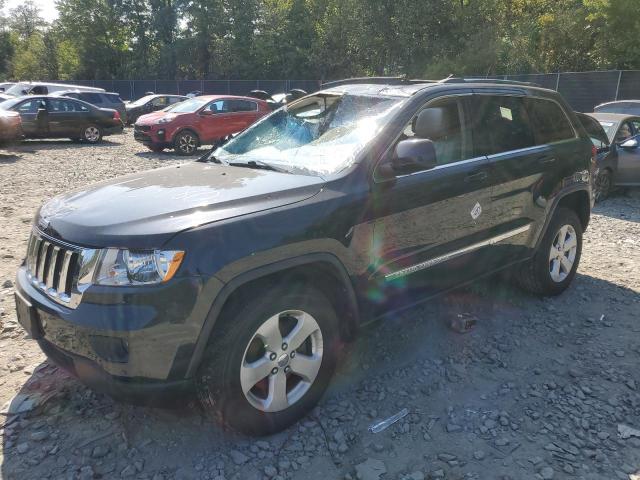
630	144
206	113
414	155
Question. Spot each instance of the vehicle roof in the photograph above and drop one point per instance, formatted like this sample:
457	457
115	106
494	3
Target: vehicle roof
233	97
611	117
68	85
61	93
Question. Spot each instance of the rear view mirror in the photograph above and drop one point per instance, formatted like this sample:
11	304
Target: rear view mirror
414	155
630	144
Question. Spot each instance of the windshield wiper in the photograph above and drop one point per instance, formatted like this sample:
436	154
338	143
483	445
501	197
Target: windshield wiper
258	165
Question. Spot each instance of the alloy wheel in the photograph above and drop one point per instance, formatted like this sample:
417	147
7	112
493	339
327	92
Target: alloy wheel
92	134
563	253
281	361
187	143
603	185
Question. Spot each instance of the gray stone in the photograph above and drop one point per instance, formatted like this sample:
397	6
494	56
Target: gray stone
547	473
128	471
238	458
370	469
270	471
479	455
100	451
22	448
39	436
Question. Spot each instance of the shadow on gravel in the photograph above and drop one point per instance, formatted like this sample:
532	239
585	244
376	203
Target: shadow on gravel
8	158
621	205
32	146
61	429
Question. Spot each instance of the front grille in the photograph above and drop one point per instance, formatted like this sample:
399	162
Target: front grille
142	128
59	270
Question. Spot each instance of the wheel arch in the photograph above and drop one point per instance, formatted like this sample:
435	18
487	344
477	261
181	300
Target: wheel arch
578	200
186	128
323	270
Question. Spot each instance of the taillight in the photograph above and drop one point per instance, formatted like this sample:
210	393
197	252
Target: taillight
116	115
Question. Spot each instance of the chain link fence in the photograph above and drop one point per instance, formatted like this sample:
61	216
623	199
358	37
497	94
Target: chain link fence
583	90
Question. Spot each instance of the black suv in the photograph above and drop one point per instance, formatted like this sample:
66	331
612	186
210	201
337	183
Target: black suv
244	273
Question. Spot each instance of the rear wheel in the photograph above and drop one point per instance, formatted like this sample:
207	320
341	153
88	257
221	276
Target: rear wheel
602	185
272	361
92	134
186	143
550	271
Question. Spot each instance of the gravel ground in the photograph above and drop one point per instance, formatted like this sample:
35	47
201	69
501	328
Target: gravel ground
539	388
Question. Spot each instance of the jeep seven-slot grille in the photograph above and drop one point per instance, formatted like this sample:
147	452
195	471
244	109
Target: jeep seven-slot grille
52	268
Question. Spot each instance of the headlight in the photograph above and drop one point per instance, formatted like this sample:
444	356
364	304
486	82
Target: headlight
137	267
164	120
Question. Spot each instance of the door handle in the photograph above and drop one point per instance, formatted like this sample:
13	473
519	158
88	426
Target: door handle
476	177
546	160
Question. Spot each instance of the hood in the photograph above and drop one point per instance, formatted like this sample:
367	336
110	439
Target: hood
153	117
145	210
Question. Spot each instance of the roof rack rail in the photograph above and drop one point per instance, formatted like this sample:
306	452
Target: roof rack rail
403	80
399	80
501	81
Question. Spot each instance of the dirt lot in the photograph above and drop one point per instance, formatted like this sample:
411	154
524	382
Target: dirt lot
538	389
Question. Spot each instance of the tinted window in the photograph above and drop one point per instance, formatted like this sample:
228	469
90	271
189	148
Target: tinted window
173	100
242	106
549	121
160	102
451	141
93	98
30	106
61	105
501	124
112	97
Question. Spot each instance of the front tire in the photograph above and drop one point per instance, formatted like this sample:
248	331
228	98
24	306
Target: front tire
550	271
92	134
186	143
271	360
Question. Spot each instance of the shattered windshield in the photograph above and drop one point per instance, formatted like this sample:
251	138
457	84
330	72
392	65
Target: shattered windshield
321	135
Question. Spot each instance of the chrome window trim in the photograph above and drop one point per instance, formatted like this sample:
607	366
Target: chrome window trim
456	253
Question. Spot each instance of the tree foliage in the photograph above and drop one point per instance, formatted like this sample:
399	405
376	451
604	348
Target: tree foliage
252	39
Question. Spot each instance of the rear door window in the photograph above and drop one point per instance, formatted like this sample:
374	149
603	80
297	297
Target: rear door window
242	106
501	124
549	121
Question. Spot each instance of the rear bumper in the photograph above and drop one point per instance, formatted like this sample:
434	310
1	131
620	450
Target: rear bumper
115	130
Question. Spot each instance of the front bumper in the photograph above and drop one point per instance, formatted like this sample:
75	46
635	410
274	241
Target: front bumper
153	137
141	391
128	345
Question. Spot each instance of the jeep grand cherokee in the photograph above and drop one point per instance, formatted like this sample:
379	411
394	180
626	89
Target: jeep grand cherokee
243	273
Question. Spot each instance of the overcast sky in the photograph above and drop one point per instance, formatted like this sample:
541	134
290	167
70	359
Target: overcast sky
47	7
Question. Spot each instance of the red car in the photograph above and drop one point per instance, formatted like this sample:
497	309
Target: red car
198	121
10	127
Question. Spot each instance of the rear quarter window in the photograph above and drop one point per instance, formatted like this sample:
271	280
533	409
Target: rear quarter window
550	123
112	98
93	98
